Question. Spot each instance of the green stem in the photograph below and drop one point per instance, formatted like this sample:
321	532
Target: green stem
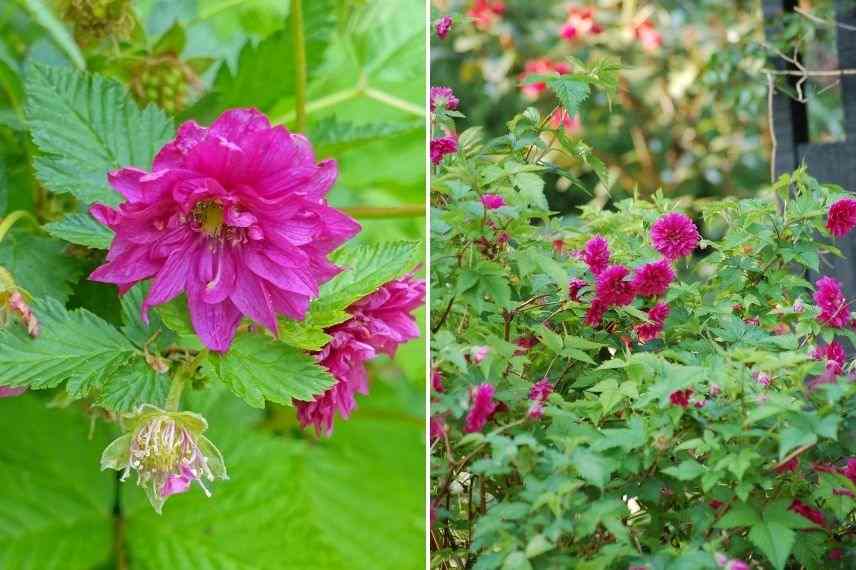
371	213
173	399
299	46
12	218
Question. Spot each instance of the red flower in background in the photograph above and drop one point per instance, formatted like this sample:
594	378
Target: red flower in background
834	311
481	409
560	119
486	13
540	66
648	36
580	23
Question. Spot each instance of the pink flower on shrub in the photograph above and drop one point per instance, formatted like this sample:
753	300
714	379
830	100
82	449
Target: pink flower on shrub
833	354
799	306
437	427
479	353
681	397
492	201
540	66
653	278
560	119
595	312
595	254
841	217
481	408
737	565
234	216
762	379
613	288
808	512
7	392
834	311
379	323
444	26
524	344
574	288
538	395
441	147
849	470
443	97
657	317
486	13
648	36
437	380
674	235
580	23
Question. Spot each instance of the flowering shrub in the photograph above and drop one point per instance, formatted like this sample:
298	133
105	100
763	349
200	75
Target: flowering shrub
210	291
664	383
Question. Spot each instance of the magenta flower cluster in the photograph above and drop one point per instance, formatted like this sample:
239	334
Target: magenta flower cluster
235	217
443	27
834	309
443	97
442	146
482	408
841	218
538	395
673	235
379	323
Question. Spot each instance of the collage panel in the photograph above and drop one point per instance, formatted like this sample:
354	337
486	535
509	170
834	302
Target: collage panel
212	284
641	284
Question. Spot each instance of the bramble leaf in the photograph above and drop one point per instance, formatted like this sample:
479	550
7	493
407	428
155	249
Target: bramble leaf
257	368
87	125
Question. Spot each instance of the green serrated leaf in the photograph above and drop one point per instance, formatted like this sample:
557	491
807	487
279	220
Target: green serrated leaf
687	470
332	136
51	489
257	368
81	229
87	125
774	540
571	92
73	345
133	386
366	267
39	264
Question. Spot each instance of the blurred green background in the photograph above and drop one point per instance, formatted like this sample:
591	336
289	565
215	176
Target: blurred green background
355	500
690	115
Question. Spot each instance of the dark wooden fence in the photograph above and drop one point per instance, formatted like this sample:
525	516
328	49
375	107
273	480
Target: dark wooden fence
828	162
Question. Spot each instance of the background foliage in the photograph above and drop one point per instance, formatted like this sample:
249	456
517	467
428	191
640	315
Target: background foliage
292	501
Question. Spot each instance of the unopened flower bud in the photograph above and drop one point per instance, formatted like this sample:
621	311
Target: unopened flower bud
168	452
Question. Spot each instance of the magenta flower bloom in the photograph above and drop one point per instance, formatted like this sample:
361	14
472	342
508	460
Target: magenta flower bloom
574	288
849	470
841	217
437	427
788	466
480	353
737	565
613	288
538	395
595	312
379	323
443	97
674	235
651	330
444	26
6	392
481	408
441	147
233	215
595	254
681	397
834	311
808	512
437	380
834	356
653	278
492	201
